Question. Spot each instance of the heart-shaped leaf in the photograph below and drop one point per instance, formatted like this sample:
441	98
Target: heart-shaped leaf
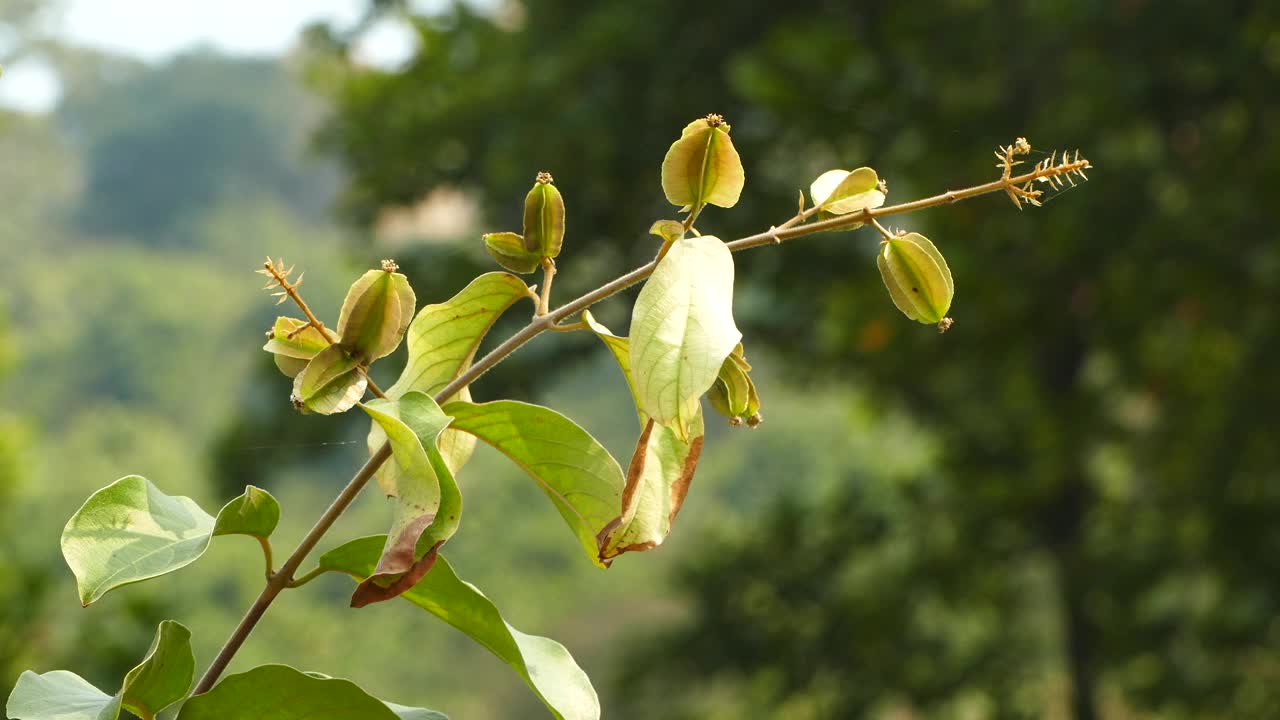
376	313
659	475
129	531
331	383
682	329
161	679
544	664
582	479
427	502
254	513
702	167
279	692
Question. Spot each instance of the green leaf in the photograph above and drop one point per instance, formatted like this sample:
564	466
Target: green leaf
682	329
544	664
293	353
376	313
254	513
164	675
279	692
702	167
161	679
582	479
427	502
442	343
659	474
59	695
128	532
840	192
331	383
509	250
544	218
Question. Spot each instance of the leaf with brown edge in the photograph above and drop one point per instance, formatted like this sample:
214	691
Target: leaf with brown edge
658	476
428	505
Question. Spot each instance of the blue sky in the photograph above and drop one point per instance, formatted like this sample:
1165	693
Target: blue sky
157	29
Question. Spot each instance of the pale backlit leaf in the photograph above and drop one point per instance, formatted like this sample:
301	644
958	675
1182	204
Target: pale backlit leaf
682	329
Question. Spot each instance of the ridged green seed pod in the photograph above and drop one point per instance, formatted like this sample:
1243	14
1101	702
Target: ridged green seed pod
734	394
508	249
544	218
917	278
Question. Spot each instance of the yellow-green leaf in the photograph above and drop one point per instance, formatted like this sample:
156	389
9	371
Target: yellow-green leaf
575	471
544	664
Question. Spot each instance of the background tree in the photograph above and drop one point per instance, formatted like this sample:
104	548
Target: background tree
1103	408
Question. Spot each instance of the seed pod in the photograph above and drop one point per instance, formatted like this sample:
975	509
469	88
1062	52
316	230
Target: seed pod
734	394
376	313
840	192
509	250
702	167
668	230
544	218
293	342
917	278
331	383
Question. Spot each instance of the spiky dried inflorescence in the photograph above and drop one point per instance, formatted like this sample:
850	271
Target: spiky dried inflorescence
1052	170
279	275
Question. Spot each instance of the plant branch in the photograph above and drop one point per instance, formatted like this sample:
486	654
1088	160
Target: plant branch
550	320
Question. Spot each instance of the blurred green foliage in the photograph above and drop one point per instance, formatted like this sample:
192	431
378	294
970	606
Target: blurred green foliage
1104	404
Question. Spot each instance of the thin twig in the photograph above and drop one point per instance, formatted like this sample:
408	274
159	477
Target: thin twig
548	274
280	580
